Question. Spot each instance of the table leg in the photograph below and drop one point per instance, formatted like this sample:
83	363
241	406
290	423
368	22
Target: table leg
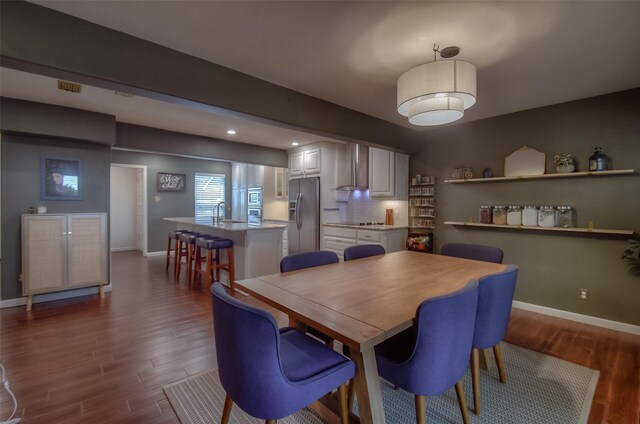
368	387
298	325
486	359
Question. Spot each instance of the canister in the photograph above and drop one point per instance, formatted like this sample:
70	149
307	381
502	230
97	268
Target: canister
565	217
547	216
514	215
500	215
530	216
485	215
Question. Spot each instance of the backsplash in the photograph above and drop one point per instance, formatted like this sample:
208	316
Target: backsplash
361	208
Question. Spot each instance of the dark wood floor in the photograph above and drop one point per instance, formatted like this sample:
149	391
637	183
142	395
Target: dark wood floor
91	360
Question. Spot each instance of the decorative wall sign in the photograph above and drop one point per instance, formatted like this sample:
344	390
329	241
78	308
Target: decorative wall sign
524	162
171	182
60	178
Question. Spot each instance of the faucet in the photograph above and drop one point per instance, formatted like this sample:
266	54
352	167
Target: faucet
216	218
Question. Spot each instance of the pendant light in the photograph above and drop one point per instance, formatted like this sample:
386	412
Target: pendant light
437	92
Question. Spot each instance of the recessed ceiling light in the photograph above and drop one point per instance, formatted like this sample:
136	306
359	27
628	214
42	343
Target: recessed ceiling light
295	143
231	132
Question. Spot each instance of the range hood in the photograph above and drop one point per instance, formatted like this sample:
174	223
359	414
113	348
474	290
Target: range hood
358	168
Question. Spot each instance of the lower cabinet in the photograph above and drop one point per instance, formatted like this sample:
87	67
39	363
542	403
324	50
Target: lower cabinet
336	239
62	252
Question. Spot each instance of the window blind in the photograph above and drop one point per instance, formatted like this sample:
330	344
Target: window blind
209	191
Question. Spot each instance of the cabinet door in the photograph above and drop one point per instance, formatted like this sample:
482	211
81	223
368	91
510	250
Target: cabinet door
242	205
381	173
87	249
296	164
312	162
44	257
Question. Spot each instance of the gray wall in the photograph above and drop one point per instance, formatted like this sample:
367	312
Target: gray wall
552	266
21	189
171	204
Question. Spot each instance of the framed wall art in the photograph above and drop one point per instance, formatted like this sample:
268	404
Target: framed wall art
168	182
60	178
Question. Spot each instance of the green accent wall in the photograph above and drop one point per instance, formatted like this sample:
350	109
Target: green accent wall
552	266
21	189
170	204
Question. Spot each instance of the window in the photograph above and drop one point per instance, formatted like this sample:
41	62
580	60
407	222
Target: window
209	191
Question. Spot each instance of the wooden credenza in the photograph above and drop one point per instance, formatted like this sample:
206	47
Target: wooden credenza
63	252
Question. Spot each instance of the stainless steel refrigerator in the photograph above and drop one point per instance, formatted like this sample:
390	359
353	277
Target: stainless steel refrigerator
304	215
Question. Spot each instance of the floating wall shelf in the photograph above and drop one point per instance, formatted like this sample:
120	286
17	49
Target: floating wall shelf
556	229
545	176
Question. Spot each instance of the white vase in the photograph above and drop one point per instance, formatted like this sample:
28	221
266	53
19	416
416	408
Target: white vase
563	169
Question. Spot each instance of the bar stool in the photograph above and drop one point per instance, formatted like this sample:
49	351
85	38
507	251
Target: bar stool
186	244
214	263
172	246
201	257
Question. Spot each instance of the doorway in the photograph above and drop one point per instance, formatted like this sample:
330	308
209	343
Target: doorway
128	218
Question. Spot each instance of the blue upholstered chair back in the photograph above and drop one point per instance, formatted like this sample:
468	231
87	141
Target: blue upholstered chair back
477	252
247	348
307	260
441	347
495	297
363	251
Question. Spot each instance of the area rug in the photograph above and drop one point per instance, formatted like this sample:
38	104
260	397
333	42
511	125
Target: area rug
539	389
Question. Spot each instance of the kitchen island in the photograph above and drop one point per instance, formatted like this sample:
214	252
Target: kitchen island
257	247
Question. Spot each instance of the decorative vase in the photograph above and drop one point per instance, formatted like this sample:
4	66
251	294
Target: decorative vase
564	169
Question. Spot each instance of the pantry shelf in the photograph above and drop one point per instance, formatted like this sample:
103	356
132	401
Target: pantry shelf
545	176
555	229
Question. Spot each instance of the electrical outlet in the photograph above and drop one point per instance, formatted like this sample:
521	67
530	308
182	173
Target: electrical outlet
157	199
584	294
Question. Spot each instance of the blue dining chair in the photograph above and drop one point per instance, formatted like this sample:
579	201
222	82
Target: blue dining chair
271	373
495	296
309	260
433	355
363	251
477	252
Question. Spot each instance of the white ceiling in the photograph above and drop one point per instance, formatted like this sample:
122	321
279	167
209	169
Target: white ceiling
528	54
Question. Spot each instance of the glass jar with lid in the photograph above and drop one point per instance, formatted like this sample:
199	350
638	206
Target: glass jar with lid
485	216
565	217
499	215
514	215
530	216
547	216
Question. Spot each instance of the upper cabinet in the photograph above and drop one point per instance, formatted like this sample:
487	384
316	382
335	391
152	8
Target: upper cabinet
281	183
388	174
304	164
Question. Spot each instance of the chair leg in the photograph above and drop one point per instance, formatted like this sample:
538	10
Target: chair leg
344	411
232	276
169	240
177	251
271	421
226	411
209	267
352	394
421	409
497	352
462	402
475	378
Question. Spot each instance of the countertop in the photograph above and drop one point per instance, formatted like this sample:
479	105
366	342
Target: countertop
366	227
227	225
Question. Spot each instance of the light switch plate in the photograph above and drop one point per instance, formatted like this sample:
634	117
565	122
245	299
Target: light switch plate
157	199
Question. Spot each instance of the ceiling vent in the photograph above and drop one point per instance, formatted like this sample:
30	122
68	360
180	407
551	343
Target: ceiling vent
69	86
124	94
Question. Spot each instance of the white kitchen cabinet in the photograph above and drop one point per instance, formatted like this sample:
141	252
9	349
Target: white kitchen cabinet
382	174
304	164
255	176
336	239
388	174
62	252
282	183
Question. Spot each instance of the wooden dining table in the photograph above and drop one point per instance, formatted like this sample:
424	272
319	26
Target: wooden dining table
363	302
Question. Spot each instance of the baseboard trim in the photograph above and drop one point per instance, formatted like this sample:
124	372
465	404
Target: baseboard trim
46	297
585	319
161	253
123	249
